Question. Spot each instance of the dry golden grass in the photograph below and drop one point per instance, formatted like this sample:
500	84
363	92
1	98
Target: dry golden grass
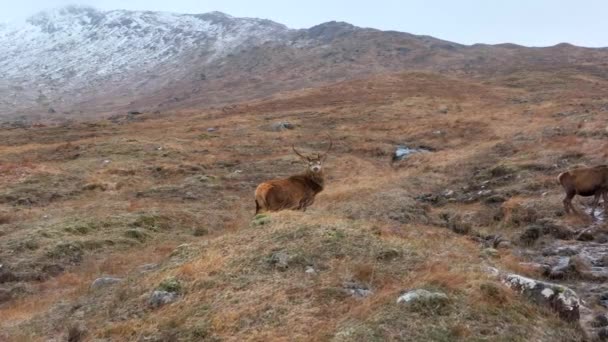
165	182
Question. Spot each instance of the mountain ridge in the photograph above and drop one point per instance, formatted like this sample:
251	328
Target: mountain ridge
78	61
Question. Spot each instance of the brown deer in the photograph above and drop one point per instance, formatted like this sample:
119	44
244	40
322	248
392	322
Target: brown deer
296	192
591	181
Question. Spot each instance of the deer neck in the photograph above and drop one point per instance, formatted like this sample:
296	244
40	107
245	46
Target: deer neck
316	179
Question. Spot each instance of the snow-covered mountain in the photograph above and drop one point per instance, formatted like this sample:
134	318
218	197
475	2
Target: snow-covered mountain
78	61
60	56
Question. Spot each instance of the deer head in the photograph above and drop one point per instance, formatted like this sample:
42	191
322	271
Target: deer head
314	161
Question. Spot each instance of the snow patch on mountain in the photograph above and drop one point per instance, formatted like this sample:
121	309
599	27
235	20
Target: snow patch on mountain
72	48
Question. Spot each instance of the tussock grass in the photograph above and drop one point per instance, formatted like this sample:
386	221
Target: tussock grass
107	199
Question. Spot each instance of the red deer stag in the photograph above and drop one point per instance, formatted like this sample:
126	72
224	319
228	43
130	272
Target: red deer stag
592	181
296	192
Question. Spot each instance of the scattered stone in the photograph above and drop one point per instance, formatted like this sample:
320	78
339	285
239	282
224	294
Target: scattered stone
602	238
147	268
357	290
600	320
561	299
574	267
563	251
310	270
423	296
134	112
211	129
104	281
503	244
404	152
281	126
160	298
604	261
585	235
279	260
603	299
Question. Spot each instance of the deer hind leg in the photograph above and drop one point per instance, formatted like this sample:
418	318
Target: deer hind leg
257	207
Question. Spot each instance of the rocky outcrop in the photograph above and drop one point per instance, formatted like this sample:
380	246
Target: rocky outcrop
561	299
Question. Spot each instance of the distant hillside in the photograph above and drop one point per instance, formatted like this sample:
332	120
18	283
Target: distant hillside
78	61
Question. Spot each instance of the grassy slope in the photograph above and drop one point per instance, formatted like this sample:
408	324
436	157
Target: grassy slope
104	199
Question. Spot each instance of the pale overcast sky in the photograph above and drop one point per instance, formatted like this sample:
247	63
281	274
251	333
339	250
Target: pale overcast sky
526	22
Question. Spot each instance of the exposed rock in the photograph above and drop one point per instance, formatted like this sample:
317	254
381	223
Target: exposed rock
602	238
310	270
574	267
600	320
357	289
557	297
404	152
503	244
603	299
563	251
160	298
604	260
585	235
147	268
421	295
280	260
281	126
602	334
104	281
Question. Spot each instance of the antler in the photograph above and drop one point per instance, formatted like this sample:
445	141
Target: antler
331	143
298	153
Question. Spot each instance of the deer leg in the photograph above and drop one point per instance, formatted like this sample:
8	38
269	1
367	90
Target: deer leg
568	202
257	207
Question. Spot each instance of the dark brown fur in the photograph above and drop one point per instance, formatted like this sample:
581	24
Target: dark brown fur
585	182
